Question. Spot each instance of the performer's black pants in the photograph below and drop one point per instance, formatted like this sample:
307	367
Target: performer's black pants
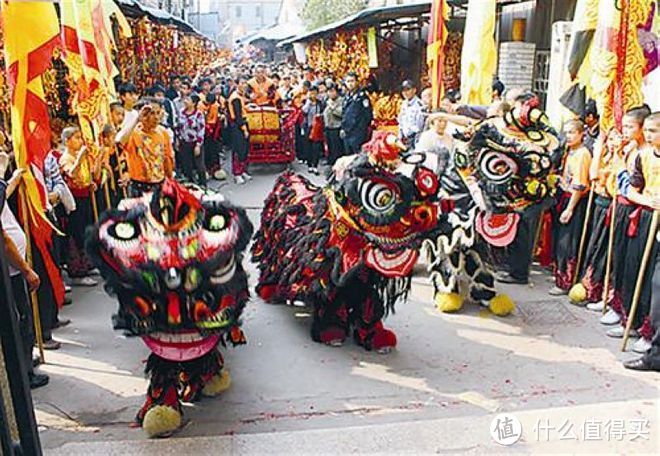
652	357
521	249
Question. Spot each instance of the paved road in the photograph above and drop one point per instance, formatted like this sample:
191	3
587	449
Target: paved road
549	364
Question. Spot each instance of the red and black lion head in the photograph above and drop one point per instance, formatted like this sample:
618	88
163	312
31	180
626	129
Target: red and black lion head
174	261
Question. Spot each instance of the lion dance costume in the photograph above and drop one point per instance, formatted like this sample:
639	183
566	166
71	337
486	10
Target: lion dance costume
500	169
348	249
174	261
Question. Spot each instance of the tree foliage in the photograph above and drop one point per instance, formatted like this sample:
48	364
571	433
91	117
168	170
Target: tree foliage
317	13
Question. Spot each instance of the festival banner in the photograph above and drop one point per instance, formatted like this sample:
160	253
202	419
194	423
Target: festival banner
88	44
479	57
618	62
434	51
28	56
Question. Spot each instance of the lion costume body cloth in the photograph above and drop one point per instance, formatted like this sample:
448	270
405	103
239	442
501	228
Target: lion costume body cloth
173	259
348	249
504	166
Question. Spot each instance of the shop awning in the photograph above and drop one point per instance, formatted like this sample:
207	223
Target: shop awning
378	15
133	8
368	16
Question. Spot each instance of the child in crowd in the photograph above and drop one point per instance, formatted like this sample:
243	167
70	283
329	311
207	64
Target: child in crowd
117	159
77	168
191	139
570	209
312	129
106	193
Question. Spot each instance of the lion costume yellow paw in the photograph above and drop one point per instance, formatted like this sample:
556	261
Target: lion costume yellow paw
161	421
448	302
501	305
217	385
577	294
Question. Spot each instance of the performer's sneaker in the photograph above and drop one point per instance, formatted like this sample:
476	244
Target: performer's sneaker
596	306
610	318
247	177
505	277
240	180
617	332
83	282
641	346
556	291
333	336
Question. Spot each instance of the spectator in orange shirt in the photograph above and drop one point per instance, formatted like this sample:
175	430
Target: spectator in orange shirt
148	150
264	90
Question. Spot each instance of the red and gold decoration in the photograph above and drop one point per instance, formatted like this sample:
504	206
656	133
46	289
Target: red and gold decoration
346	51
451	69
156	51
153	53
386	109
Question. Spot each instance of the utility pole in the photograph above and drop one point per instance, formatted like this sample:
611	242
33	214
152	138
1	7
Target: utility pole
199	17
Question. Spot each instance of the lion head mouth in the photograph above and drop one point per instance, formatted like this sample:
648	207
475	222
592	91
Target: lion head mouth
181	346
391	264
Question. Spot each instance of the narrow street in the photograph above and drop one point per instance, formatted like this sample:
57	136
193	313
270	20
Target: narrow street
550	365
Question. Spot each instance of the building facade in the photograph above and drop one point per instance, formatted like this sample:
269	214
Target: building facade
177	8
376	3
235	18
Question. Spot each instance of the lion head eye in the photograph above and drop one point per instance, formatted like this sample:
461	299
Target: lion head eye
124	231
377	197
217	223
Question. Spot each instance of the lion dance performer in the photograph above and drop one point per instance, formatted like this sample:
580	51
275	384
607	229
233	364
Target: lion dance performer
505	165
174	261
348	249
